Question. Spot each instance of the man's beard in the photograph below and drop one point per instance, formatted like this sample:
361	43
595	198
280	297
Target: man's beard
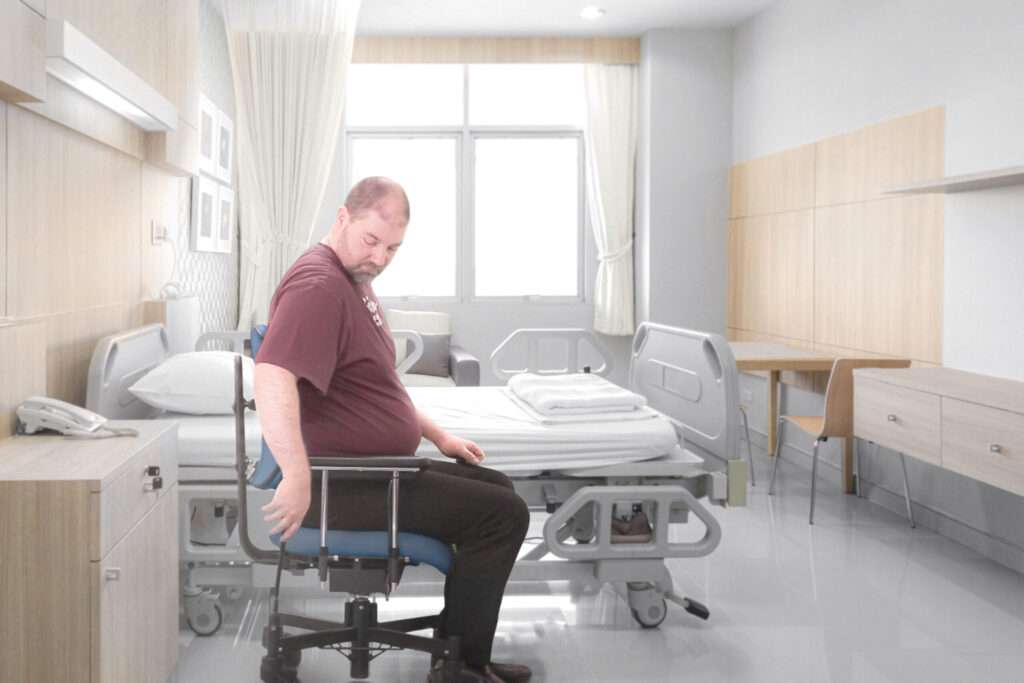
364	274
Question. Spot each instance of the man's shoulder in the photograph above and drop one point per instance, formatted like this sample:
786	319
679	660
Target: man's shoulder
317	270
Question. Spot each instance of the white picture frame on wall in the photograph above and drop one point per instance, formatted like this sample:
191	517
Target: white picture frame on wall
209	125
204	214
225	147
225	219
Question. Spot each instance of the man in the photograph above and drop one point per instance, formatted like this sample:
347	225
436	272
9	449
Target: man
326	383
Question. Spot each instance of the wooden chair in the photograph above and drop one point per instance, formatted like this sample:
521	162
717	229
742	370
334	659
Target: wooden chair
836	422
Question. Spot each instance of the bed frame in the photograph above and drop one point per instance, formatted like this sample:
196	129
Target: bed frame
688	376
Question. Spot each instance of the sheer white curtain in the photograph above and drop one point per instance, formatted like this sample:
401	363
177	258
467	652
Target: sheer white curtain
611	149
289	62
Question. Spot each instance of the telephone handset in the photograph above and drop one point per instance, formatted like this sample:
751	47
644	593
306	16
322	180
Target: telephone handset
40	412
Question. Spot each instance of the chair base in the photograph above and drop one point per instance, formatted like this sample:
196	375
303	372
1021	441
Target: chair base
360	638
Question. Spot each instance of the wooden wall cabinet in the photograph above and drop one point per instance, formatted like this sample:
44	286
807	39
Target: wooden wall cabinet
22	53
960	421
90	567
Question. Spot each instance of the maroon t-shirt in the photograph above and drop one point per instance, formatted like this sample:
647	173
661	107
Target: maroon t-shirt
330	332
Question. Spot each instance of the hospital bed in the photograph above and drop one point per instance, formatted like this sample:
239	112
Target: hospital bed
583	474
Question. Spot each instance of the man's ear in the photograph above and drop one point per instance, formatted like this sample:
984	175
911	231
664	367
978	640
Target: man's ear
343	216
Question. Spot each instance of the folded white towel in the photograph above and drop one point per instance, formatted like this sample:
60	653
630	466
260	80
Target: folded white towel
576	394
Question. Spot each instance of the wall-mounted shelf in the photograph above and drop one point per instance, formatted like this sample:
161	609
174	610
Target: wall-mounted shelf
965	183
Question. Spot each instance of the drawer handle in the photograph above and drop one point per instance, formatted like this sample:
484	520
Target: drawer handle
112	574
156	484
892	418
995	448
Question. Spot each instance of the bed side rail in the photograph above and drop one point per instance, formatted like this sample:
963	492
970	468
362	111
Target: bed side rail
603	499
576	342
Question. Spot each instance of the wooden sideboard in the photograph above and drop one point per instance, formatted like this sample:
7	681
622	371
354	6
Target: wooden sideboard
89	576
961	421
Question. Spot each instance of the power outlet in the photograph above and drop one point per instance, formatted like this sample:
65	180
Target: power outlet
157	232
747	397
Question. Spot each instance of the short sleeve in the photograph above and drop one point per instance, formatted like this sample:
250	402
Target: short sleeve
304	334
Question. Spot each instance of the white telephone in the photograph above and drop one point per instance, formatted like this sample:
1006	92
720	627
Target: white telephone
40	412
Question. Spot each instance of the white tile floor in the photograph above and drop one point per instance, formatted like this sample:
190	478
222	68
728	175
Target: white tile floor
858	597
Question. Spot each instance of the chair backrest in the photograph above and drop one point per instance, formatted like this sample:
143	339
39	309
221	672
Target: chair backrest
839	395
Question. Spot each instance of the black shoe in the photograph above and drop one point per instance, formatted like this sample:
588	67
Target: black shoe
468	675
511	673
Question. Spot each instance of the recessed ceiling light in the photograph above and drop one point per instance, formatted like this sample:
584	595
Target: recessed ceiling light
593	12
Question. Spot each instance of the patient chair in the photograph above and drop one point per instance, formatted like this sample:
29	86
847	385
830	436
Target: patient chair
360	563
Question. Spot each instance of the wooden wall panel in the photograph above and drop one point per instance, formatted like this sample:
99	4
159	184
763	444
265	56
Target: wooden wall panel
73	215
3	209
161	194
22	368
442	50
864	273
183	58
71	339
773	184
133	31
771	274
878	277
861	165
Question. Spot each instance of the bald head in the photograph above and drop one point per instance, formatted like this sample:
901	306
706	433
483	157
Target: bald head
379	194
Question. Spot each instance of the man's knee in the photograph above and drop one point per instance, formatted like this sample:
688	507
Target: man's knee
519	514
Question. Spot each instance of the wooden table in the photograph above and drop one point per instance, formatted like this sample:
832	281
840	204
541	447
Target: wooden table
776	358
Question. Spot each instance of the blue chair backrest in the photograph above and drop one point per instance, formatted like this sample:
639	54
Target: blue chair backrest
256	338
267	473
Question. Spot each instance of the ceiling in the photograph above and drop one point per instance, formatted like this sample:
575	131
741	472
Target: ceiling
546	17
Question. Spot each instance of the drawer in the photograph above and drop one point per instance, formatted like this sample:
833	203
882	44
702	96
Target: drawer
900	419
129	497
984	443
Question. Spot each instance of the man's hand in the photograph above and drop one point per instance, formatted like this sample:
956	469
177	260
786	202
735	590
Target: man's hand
460	449
289	506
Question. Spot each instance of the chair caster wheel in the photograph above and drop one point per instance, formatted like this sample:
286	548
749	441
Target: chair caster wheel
277	670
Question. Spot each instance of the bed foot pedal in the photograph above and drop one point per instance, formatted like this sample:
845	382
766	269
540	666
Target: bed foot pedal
695	608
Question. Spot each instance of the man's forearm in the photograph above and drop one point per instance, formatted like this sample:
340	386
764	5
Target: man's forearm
277	404
431	431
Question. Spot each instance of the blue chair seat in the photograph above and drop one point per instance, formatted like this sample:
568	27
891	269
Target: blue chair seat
370	544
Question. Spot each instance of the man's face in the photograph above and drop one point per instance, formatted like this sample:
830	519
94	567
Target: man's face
370	241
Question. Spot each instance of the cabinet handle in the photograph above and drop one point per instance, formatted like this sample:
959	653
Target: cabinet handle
891	418
112	574
153	471
155	484
995	448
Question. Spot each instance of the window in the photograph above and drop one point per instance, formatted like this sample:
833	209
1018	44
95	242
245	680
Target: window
492	159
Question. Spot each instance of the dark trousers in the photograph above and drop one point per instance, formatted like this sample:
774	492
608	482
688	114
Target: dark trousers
470	507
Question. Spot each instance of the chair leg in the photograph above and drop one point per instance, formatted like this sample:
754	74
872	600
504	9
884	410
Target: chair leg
814	480
857	467
906	491
750	453
778	456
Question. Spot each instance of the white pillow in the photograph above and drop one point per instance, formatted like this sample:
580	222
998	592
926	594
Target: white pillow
197	383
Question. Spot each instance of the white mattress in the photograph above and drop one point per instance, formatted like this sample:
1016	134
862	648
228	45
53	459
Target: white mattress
209	440
513	440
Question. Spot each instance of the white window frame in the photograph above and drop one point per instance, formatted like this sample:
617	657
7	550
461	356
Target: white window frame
465	193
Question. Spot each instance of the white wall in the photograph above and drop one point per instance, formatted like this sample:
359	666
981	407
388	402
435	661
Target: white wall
682	177
809	69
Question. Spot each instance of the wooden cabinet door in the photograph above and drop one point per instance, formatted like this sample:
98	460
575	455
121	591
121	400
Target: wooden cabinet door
138	600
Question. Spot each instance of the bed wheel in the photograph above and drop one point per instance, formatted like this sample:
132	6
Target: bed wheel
647	605
651	616
205	622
